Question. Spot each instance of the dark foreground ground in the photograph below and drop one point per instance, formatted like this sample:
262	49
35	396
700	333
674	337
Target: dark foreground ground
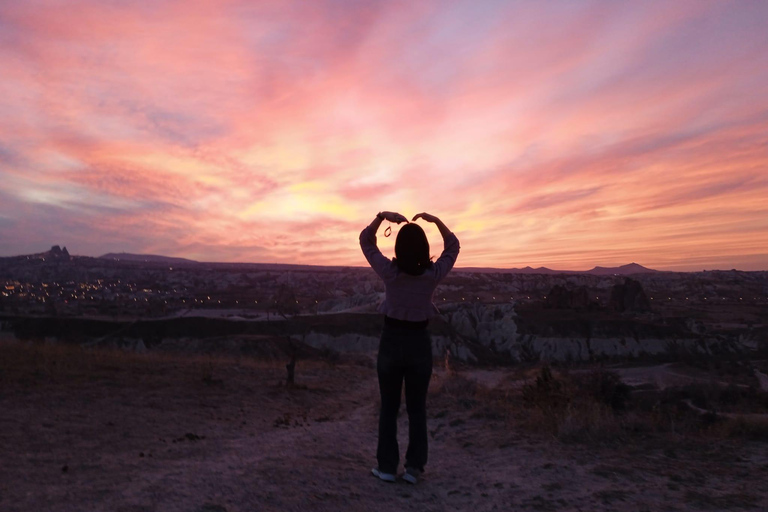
83	431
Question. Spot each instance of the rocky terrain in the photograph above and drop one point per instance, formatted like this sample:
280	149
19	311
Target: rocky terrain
487	317
156	385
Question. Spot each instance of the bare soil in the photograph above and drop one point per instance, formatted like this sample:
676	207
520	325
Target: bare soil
82	431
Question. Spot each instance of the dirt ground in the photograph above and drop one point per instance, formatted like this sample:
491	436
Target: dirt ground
90	432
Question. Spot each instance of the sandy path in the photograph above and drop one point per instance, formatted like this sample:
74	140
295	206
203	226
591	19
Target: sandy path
251	456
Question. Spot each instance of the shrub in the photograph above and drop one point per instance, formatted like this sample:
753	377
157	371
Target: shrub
605	387
547	392
576	408
461	389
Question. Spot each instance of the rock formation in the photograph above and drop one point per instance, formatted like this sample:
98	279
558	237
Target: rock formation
629	296
560	297
57	253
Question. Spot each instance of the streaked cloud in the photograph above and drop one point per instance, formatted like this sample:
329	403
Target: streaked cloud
565	134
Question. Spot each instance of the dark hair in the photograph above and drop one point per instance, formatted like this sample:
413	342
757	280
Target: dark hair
412	250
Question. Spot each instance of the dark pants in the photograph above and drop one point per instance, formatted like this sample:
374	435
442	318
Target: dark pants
404	356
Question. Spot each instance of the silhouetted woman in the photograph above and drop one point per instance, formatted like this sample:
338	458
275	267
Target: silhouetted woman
405	349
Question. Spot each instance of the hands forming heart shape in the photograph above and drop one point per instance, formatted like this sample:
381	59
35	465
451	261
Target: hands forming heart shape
398	218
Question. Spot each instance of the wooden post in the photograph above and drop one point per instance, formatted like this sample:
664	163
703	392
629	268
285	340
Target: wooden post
289	368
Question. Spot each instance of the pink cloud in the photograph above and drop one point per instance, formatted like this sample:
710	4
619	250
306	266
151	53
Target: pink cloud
564	135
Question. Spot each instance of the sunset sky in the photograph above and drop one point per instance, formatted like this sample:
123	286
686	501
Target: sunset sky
561	133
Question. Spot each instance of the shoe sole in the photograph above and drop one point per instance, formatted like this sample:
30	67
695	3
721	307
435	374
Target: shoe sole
384	477
410	479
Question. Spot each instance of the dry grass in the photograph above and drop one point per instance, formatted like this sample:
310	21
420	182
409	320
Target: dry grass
596	407
587	407
40	364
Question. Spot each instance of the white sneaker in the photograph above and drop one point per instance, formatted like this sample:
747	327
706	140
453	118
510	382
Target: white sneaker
387	477
411	475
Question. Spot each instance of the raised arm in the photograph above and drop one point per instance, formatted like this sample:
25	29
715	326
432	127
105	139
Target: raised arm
451	246
378	262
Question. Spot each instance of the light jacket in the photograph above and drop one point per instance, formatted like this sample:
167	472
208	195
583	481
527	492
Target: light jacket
408	297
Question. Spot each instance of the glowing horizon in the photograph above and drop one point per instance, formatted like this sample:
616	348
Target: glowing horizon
557	134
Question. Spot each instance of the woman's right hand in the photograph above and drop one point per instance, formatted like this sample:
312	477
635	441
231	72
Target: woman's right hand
426	216
394	217
444	231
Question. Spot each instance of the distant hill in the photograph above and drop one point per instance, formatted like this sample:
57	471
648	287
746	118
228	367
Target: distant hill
56	253
149	258
60	253
624	270
524	270
632	268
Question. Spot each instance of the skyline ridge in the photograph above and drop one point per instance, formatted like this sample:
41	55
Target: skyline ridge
625	269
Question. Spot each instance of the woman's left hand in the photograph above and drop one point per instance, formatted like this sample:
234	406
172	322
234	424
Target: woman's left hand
394	217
